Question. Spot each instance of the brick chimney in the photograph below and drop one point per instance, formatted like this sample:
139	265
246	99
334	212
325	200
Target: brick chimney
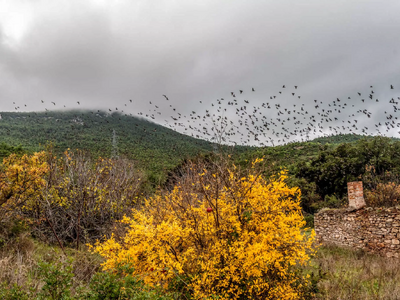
355	194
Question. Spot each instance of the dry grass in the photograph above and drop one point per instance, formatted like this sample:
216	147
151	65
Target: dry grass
349	274
345	273
19	259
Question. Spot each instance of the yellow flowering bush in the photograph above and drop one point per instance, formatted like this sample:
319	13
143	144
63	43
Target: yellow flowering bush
218	235
70	198
22	180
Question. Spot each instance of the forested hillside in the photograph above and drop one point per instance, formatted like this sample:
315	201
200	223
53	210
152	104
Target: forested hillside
321	167
153	147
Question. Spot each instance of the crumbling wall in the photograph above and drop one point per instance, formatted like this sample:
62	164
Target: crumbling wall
375	230
355	194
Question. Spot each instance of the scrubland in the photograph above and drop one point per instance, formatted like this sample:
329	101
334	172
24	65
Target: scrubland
78	227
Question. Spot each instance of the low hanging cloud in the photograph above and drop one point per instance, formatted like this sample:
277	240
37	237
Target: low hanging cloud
104	53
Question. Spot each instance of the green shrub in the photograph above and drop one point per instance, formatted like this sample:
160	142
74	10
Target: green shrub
57	280
309	221
120	286
14	293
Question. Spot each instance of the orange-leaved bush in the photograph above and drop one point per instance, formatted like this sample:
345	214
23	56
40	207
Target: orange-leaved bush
218	234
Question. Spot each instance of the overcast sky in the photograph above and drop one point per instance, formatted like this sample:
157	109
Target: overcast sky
103	53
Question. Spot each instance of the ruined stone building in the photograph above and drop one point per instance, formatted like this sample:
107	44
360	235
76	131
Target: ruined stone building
375	230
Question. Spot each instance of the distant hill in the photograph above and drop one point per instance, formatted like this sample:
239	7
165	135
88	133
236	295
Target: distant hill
292	153
320	167
153	146
344	138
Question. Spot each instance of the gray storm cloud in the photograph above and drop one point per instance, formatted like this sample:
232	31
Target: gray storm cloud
101	54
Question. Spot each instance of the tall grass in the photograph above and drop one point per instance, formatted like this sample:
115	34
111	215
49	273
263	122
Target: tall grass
339	273
20	259
355	274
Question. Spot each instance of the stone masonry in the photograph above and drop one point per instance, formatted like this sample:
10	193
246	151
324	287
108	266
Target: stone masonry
356	194
375	230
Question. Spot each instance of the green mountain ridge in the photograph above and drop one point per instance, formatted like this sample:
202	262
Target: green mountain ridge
135	137
154	147
320	167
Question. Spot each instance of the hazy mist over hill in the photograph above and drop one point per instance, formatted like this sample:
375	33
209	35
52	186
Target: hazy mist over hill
124	56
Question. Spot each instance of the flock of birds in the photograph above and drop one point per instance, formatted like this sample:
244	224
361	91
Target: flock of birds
235	120
280	118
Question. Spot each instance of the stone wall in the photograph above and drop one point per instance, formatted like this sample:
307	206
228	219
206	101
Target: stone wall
375	230
355	194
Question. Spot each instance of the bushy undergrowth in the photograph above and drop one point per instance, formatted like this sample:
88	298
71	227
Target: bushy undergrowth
34	270
30	270
55	282
220	233
68	199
